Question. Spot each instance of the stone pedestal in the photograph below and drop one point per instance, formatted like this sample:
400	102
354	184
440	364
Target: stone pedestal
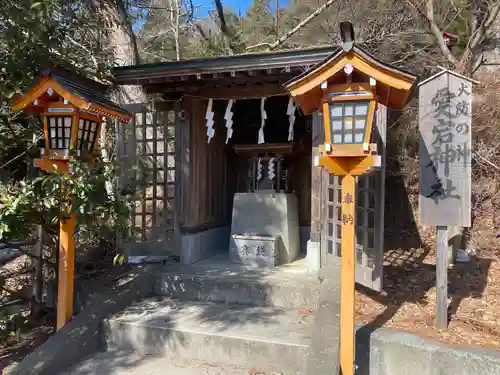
256	250
267	217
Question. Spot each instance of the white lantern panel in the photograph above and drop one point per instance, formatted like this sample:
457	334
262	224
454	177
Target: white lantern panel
348	123
360	123
362	109
337	125
336	111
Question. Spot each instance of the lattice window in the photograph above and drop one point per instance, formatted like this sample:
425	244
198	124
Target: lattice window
87	135
155	149
365	219
348	121
334	203
59	132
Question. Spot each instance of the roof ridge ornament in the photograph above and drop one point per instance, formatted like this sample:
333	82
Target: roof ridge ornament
347	35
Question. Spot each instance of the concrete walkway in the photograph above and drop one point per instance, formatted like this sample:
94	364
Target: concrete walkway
117	362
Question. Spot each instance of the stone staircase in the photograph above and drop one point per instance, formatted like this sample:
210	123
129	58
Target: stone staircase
208	320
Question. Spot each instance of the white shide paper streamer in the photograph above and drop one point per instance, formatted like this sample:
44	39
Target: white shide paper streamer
263	117
228	116
259	170
270	169
291	113
210	121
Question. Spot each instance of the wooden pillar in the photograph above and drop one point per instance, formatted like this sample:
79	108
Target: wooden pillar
442	277
66	278
347	273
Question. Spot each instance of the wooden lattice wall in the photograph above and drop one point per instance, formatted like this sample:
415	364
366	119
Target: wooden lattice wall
146	149
326	210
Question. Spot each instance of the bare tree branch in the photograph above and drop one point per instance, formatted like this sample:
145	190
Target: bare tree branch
429	16
480	34
290	33
222	19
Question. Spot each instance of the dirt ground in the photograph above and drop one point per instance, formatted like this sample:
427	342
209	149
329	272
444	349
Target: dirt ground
408	300
33	334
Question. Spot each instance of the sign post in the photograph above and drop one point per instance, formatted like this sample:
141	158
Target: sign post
445	108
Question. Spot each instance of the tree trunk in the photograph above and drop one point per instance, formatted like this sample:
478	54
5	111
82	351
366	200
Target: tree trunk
122	39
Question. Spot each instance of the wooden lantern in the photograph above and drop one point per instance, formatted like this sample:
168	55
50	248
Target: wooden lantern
73	109
347	87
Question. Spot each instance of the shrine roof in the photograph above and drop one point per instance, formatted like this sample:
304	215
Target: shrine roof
78	90
362	52
394	85
270	62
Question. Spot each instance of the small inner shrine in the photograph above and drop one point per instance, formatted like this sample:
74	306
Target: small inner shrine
269	140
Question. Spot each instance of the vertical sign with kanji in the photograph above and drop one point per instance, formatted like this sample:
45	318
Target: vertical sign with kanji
445	106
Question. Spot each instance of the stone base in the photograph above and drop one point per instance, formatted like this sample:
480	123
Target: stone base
255	250
267	214
313	257
205	244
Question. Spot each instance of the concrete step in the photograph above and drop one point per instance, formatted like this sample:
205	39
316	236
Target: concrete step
118	362
279	287
261	337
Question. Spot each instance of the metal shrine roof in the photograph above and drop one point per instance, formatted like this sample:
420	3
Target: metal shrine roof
147	73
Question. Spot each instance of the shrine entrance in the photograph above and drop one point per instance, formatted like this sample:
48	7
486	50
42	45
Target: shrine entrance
270	159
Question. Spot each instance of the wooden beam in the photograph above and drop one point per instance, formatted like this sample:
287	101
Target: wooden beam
441	277
238	93
341	166
221	81
66	273
347	275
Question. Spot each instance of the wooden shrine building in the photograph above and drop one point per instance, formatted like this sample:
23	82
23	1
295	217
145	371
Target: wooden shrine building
232	161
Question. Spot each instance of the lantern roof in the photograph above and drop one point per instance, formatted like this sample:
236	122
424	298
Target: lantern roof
79	91
393	88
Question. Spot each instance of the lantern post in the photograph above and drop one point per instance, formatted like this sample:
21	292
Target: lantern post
346	88
73	109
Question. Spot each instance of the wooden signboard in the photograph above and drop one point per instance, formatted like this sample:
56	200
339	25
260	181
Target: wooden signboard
445	107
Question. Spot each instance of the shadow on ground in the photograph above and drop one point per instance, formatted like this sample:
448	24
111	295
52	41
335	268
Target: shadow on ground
163	314
406	278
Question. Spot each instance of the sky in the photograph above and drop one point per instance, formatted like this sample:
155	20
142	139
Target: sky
205	6
237	5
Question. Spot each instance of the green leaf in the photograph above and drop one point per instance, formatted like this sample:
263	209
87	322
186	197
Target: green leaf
36	6
119	258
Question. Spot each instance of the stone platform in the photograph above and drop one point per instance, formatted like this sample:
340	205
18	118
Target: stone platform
272	217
